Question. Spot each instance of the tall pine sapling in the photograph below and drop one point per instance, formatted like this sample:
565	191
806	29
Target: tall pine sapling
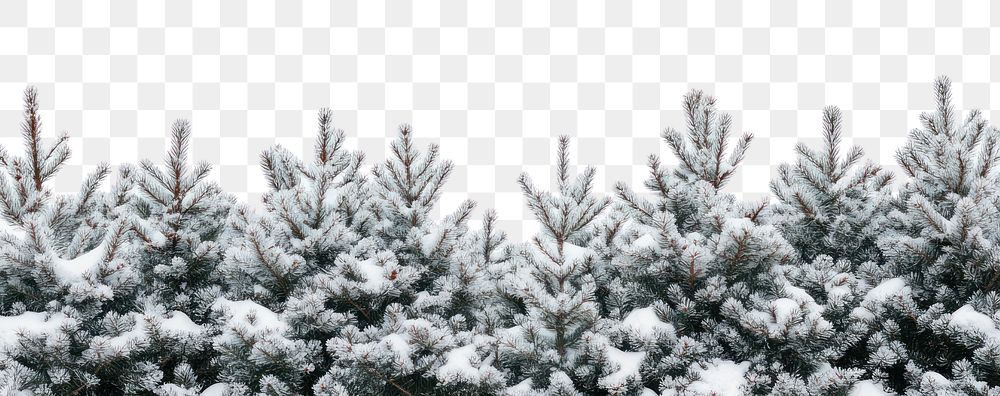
927	304
708	270
277	262
68	267
315	211
189	210
832	203
179	274
553	288
399	280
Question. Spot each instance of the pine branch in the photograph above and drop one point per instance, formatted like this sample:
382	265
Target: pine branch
180	135
942	95
563	166
702	151
492	237
31	129
327	138
281	168
90	186
832	135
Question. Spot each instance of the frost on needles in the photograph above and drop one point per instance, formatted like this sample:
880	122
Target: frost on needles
345	283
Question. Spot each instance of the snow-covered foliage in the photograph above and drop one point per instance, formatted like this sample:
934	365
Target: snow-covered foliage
346	282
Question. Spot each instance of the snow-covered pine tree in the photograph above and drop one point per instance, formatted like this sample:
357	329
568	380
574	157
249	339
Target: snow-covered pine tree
706	275
314	212
550	289
68	269
832	208
831	203
190	211
933	306
179	277
277	260
37	222
407	284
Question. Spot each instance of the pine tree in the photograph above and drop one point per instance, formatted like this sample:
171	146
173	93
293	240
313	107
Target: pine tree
710	282
68	269
831	204
311	210
404	283
927	307
314	213
551	287
190	212
832	208
179	274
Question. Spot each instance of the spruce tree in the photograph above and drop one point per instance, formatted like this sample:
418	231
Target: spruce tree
707	276
552	288
403	283
68	264
930	307
832	204
275	261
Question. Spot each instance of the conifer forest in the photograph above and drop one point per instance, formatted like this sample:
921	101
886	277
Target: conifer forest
849	280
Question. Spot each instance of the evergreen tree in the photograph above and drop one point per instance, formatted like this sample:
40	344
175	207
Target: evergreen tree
402	283
710	271
275	260
190	211
552	288
937	292
831	204
179	278
68	269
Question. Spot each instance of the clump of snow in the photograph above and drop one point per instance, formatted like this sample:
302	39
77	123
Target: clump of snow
934	378
884	291
374	274
887	289
172	390
838	287
967	319
573	253
178	323
784	310
399	343
512	332
802	297
720	378
215	390
431	240
628	367
646	323
30	324
458	365
646	241
72	270
522	388
240	313
157	238
868	388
